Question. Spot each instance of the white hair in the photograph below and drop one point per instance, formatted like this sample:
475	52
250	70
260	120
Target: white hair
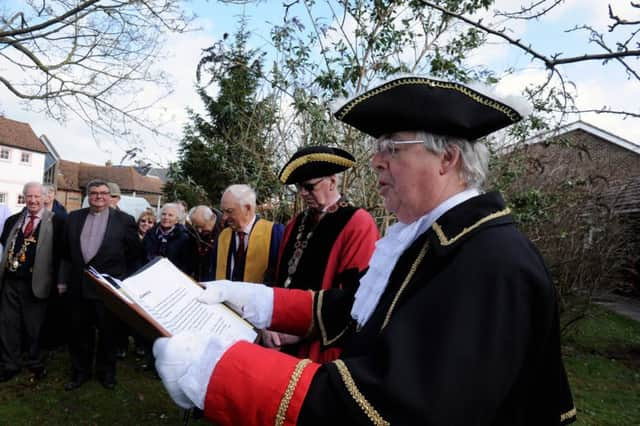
244	194
176	206
474	156
32	184
205	211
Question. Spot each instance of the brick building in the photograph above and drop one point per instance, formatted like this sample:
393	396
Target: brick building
580	152
72	178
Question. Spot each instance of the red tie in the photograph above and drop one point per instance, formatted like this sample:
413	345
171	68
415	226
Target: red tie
240	252
29	228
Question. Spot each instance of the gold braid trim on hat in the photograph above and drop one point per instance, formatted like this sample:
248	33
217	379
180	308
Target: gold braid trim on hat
281	415
445	241
310	158
362	402
481	99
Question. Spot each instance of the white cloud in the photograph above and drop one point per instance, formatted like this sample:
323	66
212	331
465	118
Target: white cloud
74	140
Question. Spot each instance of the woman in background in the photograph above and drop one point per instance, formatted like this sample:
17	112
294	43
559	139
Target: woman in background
146	221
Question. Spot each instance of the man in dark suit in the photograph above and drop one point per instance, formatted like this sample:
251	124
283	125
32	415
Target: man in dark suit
107	240
27	275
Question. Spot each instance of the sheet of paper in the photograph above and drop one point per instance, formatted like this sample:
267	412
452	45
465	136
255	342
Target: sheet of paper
113	283
170	297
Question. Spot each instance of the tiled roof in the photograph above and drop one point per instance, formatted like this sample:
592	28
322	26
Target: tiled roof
67	175
19	135
77	175
624	196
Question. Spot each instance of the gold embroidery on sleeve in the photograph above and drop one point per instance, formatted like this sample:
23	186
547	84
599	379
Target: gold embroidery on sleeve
323	332
362	402
412	271
569	414
313	322
281	415
448	241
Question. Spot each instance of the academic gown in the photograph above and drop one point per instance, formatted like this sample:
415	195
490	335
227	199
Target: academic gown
337	253
466	333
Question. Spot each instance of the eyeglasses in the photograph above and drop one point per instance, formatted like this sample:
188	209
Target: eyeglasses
146	221
100	194
308	186
388	146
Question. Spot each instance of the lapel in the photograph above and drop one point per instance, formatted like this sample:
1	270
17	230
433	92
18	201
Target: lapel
46	232
77	230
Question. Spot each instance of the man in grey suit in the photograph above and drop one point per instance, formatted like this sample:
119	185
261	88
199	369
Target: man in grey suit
106	239
28	273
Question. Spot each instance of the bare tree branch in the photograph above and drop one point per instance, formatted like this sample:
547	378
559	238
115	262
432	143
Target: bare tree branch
88	58
550	62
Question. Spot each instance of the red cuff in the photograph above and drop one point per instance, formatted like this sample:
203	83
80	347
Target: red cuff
252	385
292	311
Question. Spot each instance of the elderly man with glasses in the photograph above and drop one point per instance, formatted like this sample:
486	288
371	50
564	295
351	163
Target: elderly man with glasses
455	322
326	246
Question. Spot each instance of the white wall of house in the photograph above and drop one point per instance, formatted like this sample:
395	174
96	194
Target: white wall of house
17	167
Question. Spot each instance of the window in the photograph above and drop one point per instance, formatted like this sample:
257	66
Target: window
25	157
3	198
20	199
5	154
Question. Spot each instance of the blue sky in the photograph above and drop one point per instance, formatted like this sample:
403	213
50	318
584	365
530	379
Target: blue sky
596	85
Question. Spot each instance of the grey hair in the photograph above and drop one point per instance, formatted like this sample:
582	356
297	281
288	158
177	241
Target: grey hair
97	182
32	184
244	194
474	156
207	213
48	188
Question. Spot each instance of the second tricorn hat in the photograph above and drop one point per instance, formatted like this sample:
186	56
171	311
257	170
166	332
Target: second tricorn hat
315	161
436	106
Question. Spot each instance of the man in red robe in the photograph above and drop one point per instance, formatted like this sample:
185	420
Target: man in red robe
327	246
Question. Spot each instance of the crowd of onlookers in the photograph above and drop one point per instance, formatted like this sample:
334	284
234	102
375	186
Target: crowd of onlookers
47	303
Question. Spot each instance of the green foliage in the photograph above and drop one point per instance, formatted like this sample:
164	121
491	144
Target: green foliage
530	206
232	144
180	187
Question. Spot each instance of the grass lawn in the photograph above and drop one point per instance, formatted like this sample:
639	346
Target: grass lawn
138	399
602	356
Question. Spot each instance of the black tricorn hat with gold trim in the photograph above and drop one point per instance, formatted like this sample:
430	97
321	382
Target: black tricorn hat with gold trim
313	162
423	103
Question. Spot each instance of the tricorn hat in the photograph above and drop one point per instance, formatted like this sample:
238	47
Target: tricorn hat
424	103
315	161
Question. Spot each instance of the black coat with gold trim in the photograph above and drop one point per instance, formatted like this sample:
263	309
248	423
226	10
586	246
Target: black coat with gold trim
466	333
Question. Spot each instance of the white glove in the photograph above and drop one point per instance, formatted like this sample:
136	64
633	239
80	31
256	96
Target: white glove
174	355
253	301
195	382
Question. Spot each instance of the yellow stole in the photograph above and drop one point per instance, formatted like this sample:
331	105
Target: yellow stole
257	259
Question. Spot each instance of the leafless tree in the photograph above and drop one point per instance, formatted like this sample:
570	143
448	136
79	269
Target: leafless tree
88	58
619	44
